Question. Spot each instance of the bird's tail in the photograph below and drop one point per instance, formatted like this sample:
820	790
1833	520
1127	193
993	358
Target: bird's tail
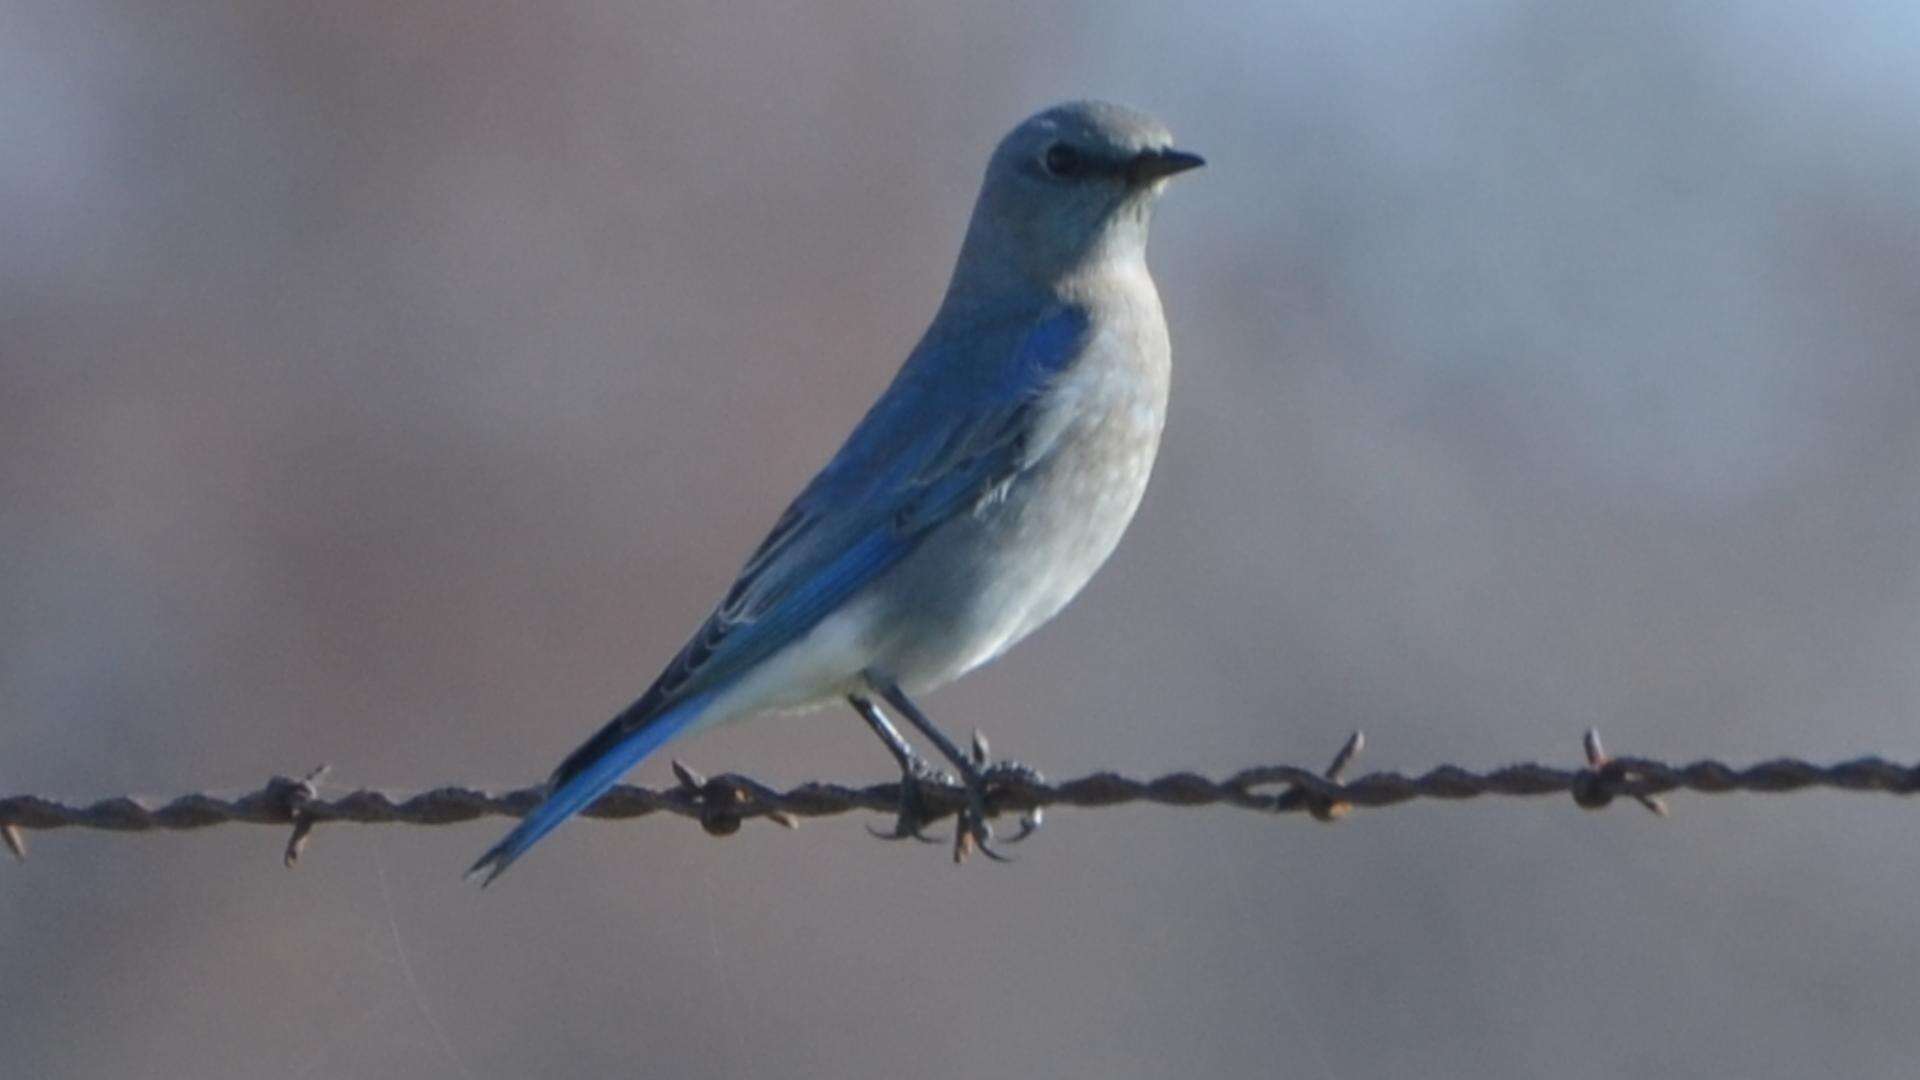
584	777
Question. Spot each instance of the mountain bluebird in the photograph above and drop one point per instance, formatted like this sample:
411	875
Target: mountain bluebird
976	497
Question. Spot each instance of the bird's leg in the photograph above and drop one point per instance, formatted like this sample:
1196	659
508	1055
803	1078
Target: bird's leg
914	771
973	830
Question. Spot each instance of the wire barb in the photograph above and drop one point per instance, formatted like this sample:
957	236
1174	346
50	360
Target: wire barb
717	800
721	804
296	795
1327	809
1592	793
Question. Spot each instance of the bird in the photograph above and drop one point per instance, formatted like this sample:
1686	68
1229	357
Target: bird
978	495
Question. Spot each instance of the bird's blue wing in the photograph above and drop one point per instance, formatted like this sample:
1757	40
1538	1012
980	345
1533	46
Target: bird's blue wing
949	432
954	429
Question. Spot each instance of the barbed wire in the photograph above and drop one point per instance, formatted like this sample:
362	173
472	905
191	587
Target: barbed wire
723	803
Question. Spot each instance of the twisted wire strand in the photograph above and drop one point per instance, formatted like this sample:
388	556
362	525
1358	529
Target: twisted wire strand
721	804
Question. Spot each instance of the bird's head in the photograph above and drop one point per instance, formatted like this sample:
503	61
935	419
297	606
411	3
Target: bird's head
1068	189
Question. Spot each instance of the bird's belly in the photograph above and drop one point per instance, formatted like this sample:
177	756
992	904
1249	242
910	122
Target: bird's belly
987	579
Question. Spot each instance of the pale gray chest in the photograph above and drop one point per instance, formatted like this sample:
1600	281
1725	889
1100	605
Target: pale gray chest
989	578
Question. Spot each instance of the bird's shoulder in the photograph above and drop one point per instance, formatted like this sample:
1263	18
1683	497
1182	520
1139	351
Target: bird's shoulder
953	419
966	370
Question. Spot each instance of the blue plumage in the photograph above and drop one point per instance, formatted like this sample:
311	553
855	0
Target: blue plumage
976	496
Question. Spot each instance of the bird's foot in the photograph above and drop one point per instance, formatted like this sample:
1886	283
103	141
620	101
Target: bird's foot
972	831
1005	772
912	817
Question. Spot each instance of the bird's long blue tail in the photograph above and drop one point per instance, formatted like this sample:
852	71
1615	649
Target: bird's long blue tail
587	781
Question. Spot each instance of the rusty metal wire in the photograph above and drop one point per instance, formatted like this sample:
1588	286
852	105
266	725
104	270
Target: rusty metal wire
721	804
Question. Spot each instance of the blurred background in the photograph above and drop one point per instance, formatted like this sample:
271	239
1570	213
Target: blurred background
396	385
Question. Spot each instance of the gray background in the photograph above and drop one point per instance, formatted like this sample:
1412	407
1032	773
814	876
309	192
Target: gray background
394	385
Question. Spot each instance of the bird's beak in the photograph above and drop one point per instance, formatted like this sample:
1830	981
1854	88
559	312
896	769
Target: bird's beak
1150	165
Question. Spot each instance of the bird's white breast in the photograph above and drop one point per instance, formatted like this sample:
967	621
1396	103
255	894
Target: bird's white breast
985	582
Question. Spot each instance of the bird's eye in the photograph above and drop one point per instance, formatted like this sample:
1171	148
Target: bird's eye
1062	160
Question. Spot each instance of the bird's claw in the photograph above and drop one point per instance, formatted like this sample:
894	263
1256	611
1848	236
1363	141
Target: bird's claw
903	830
973	832
1030	823
1004	771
